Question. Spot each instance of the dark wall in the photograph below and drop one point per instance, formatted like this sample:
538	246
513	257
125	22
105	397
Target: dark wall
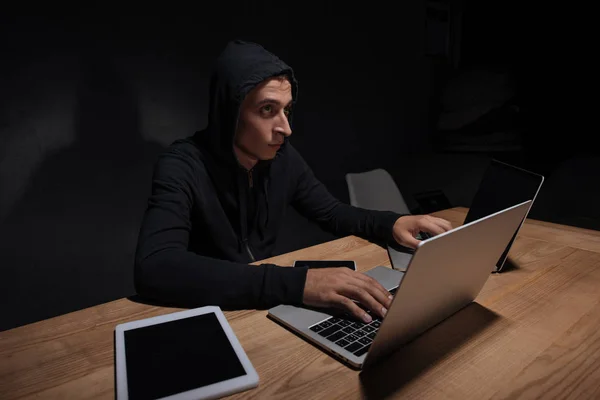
88	102
547	51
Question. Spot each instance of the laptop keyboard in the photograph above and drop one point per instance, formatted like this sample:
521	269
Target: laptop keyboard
354	336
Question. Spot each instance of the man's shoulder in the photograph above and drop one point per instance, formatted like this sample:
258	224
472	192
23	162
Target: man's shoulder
185	146
181	154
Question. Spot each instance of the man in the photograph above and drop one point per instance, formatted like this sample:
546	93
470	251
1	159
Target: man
219	197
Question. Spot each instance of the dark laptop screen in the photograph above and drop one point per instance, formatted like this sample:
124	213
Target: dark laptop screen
503	186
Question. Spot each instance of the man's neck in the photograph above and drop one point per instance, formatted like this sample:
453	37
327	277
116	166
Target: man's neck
246	160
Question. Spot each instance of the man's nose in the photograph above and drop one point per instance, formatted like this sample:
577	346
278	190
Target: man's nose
284	127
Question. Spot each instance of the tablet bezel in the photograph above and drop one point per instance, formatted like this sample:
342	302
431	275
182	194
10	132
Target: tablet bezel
217	389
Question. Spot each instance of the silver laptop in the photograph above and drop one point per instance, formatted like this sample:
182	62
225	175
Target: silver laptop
501	186
445	274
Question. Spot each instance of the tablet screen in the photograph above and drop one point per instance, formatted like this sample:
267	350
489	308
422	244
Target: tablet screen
177	356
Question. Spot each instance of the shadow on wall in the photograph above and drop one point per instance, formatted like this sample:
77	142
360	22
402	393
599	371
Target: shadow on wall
37	101
69	240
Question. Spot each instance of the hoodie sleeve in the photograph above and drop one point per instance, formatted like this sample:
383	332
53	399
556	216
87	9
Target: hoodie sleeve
167	272
313	200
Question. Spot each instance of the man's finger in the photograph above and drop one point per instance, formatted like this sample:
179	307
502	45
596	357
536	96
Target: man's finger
362	295
443	223
409	240
431	227
348	305
376	289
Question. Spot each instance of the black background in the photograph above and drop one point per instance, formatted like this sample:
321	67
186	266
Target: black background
88	100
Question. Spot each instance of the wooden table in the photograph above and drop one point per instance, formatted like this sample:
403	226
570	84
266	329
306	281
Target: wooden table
534	332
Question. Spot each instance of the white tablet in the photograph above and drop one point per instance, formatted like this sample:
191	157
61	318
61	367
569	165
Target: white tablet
190	354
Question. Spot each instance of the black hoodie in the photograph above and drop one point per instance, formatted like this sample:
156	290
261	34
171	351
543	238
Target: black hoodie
208	217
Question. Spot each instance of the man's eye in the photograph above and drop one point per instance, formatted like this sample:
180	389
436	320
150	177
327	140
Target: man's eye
287	111
267	109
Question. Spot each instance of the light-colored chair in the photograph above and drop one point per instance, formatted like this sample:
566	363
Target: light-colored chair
375	190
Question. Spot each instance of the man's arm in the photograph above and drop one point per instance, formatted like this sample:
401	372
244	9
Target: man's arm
313	200
337	287
166	271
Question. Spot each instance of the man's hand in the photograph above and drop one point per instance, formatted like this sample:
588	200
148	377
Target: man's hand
337	287
408	227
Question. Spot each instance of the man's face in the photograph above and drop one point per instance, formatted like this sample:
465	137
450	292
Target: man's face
263	120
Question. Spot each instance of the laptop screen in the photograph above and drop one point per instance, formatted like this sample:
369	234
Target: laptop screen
503	186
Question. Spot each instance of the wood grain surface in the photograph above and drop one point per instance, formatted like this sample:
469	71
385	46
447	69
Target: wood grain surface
533	332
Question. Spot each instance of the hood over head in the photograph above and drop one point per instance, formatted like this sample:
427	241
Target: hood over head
240	67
